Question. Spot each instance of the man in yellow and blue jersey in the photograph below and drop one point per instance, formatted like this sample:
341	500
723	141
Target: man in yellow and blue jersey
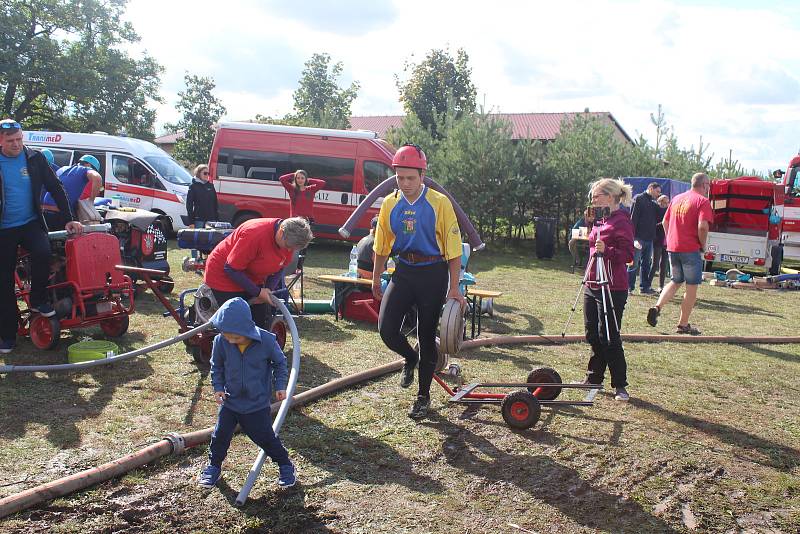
419	227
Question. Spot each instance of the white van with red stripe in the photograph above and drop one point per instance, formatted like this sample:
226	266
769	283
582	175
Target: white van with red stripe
136	172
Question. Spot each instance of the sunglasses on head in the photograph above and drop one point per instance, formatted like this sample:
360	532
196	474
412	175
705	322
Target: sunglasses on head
10	126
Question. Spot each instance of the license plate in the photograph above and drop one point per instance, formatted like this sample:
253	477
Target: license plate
734	259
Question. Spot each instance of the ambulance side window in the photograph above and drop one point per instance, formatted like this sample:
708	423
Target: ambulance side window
62	157
101	157
131	171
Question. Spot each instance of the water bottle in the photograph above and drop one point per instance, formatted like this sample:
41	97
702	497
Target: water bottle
390	265
353	270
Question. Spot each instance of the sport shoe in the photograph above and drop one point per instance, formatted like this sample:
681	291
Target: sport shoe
209	476
652	315
688	329
45	310
287	476
407	375
647	291
7	346
420	407
622	395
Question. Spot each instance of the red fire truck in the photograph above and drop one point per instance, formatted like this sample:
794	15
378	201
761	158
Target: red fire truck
746	232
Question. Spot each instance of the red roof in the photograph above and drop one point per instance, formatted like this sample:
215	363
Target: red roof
169	139
544	126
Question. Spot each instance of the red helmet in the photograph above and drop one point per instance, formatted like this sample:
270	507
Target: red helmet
410	156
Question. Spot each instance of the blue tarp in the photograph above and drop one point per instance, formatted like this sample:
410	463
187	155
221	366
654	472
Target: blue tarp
669	187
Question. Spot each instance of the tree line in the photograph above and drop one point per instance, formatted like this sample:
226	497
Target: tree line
63	66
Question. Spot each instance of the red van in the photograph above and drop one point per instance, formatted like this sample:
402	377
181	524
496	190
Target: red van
247	159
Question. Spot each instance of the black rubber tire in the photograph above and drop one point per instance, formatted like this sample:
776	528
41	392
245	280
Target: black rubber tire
520	410
166	285
243	217
545	375
45	332
166	225
777	258
115	326
199	357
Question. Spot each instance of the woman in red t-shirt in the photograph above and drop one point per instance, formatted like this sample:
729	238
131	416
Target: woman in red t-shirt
301	191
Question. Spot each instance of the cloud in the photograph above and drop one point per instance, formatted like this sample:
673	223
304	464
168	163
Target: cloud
753	83
727	70
345	17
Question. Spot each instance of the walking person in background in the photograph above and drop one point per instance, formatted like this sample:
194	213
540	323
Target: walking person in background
686	226
201	200
644	216
612	239
660	256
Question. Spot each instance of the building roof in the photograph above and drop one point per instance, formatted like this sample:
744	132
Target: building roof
543	126
168	139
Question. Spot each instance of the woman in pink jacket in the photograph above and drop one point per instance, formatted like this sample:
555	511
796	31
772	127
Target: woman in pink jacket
610	242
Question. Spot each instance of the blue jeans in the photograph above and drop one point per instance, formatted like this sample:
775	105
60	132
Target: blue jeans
686	267
641	258
257	426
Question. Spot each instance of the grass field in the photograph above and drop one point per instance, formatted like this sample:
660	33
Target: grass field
710	441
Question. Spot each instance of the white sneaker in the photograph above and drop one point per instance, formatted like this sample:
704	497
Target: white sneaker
622	395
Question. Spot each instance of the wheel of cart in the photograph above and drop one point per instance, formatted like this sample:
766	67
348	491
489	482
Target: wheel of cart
521	409
45	332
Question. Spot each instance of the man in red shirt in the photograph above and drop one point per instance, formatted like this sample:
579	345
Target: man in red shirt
686	226
257	249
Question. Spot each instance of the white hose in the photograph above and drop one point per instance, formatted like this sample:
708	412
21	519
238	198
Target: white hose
104	361
285	405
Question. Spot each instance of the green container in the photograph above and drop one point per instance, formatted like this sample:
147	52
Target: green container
86	351
317	306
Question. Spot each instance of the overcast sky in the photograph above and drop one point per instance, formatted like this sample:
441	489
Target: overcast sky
726	70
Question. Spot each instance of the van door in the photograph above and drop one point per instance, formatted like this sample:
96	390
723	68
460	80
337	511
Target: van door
131	181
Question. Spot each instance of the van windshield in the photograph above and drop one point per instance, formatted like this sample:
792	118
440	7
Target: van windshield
169	169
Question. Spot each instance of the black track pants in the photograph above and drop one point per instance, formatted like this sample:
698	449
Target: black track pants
605	352
426	288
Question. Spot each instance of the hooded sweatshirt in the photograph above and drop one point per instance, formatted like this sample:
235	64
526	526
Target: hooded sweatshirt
616	231
246	376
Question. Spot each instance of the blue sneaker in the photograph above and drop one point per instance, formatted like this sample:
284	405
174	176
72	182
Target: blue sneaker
209	476
45	310
287	476
7	346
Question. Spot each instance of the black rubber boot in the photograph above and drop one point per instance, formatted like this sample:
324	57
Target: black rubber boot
420	407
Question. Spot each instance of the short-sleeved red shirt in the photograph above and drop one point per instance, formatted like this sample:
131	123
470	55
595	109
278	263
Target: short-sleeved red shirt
250	248
684	214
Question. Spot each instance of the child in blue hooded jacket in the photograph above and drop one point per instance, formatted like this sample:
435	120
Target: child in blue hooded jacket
244	361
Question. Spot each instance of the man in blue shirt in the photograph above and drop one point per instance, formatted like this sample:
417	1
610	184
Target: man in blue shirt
23	173
74	180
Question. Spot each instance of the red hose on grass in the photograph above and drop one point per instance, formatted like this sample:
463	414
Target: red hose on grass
542	339
174	443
